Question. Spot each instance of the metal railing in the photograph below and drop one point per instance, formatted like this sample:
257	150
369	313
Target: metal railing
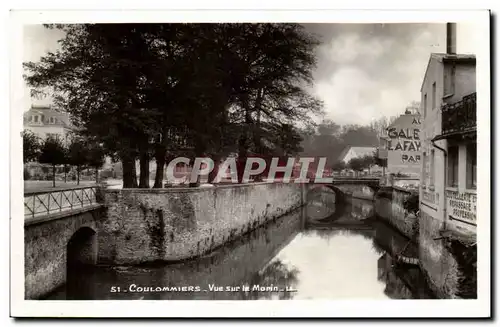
37	204
460	117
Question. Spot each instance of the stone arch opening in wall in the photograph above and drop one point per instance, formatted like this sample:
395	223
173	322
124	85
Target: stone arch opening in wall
321	202
339	193
82	248
357	191
81	255
319	187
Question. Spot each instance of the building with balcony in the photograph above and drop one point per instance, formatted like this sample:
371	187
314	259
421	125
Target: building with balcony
448	181
447	217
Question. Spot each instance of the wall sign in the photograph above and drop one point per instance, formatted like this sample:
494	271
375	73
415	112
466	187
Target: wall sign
430	197
461	206
404	144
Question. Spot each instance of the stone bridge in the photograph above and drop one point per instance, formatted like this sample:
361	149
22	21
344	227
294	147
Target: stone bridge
66	229
360	188
60	231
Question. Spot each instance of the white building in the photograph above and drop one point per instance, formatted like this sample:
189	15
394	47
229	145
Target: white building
448	181
45	121
351	152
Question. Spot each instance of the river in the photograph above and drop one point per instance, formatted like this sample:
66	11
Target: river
325	250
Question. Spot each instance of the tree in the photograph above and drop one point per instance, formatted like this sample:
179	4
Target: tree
357	164
31	146
368	161
160	90
52	152
78	155
339	166
377	160
95	158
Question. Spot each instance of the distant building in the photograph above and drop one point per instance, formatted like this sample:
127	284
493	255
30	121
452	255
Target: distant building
351	152
402	146
45	121
448	181
356	152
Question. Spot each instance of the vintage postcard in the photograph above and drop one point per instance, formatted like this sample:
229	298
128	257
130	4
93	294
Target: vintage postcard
250	164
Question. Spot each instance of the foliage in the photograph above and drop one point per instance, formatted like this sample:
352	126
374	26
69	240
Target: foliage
379	161
411	204
95	157
31	146
329	139
26	174
52	152
356	164
163	90
338	166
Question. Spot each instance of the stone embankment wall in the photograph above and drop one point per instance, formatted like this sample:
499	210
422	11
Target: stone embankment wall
448	262
389	205
178	224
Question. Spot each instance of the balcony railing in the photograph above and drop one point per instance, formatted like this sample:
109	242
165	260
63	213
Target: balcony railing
460	117
37	204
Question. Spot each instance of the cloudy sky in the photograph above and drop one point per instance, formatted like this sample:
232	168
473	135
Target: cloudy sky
364	71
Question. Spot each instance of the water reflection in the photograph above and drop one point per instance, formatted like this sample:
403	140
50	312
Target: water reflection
323	251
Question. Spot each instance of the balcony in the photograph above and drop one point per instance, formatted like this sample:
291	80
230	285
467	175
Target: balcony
459	118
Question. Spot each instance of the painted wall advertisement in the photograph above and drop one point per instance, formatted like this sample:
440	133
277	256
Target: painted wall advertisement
403	145
461	207
430	197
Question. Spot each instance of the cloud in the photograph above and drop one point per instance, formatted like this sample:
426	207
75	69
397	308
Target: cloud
38	41
366	71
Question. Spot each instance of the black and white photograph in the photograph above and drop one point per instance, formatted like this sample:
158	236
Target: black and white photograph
184	161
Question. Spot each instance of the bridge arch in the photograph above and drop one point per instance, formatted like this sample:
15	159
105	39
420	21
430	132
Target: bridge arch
82	248
355	189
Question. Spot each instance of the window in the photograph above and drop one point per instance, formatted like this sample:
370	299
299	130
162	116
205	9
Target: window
471	166
432	169
52	120
35	119
453	166
425	105
433	95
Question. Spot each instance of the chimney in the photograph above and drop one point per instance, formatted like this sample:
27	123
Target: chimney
451	38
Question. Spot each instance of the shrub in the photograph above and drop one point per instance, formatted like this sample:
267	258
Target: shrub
411	204
26	174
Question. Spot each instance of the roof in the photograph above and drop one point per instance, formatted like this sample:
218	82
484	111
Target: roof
359	151
62	118
406	119
447	57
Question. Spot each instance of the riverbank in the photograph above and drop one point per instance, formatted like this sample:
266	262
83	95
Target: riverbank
180	223
447	260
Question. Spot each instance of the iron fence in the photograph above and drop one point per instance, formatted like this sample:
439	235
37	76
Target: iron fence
43	203
460	117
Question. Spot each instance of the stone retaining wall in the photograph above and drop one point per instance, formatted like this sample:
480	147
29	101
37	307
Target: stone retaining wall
392	210
178	224
448	263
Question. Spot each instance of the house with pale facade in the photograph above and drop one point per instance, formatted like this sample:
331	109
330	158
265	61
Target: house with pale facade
448	181
351	152
448	200
46	121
